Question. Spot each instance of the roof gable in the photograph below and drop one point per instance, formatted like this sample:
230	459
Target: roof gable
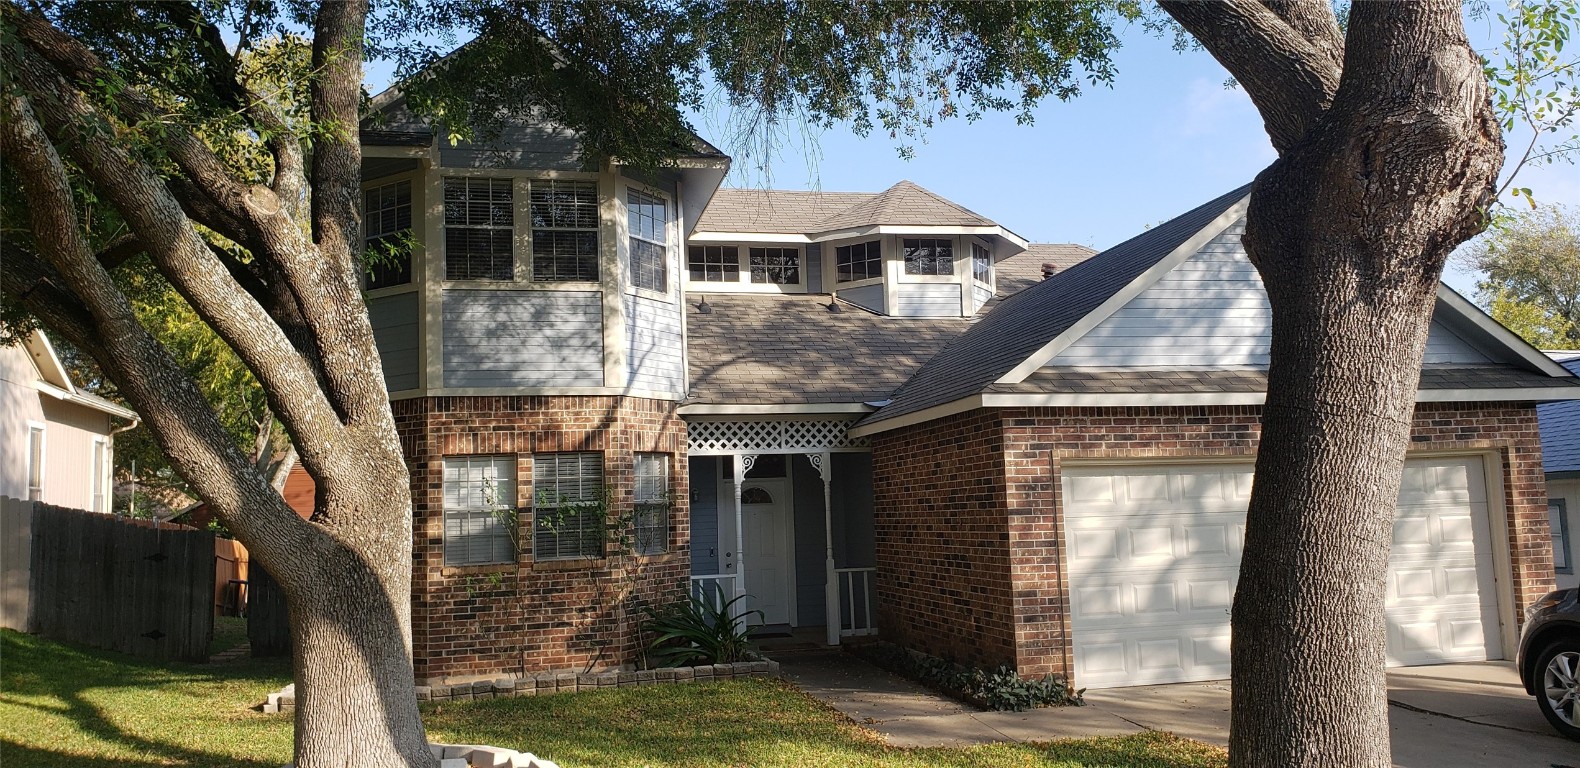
905	204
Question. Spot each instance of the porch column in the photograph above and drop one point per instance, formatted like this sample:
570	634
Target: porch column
743	464
825	470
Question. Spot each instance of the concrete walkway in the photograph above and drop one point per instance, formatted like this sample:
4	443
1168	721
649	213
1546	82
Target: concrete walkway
1451	716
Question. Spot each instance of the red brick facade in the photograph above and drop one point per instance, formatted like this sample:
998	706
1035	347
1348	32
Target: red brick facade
525	617
969	535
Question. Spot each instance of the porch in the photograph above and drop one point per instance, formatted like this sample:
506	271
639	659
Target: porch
790	530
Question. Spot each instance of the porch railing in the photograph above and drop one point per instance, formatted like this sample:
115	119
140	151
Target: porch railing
717	589
856	597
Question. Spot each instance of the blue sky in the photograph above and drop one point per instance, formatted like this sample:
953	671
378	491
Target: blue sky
1095	170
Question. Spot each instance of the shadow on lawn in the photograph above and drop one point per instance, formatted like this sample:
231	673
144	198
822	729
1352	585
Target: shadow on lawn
56	677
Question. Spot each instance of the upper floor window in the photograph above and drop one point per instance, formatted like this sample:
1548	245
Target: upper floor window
981	263
479	510
714	263
386	228
926	256
859	261
776	266
567	505
649	228
564	230
651	527
479	229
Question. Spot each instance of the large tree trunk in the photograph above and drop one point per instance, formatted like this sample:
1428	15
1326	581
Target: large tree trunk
1388	155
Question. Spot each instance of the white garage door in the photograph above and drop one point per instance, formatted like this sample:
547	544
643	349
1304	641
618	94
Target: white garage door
1154	552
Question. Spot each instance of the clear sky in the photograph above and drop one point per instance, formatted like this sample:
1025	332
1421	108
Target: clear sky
1095	170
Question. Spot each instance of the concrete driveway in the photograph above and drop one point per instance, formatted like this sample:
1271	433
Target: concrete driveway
1449	716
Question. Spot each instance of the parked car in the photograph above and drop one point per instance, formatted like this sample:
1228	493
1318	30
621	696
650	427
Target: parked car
1549	659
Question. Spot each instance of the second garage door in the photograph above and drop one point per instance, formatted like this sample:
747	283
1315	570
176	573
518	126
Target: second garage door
1154	552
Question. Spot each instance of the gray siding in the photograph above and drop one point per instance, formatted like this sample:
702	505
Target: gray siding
854	546
523	338
394	320
809	574
927	300
1212	312
654	344
979	295
869	296
813	264
704	515
529	142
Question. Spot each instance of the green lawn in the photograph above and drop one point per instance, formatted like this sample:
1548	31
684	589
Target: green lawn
229	632
63	706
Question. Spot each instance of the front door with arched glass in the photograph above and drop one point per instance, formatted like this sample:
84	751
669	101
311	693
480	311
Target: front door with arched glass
768	555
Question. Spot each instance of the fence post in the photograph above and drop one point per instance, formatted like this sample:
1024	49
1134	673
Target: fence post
16	564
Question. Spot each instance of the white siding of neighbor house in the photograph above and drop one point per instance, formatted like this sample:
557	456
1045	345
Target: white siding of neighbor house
979	295
869	296
523	338
19	404
927	300
69	432
652	331
1210	311
394	320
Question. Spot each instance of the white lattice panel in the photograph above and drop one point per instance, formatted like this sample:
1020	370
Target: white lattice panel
706	437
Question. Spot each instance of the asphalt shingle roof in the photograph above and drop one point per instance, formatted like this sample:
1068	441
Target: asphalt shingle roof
1560	426
1023	270
771	349
778	211
1026	321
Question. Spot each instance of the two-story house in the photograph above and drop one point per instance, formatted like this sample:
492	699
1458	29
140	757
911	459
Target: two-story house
870	413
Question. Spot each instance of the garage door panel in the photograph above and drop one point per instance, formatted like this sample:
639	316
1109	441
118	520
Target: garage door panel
1155	554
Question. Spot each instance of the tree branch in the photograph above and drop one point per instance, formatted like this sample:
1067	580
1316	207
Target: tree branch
80	301
1288	62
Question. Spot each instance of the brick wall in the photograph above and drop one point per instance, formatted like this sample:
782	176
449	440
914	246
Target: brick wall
1025	503
942	539
527	616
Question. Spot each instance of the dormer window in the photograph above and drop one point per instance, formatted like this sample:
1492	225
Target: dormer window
714	263
926	256
479	229
981	264
859	261
776	266
649	228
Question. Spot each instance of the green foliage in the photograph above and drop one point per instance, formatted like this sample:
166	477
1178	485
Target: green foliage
1537	84
1000	689
698	632
1531	264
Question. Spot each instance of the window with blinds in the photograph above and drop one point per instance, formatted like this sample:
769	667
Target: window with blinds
479	229
567	508
564	230
479	510
386	230
649	229
651	527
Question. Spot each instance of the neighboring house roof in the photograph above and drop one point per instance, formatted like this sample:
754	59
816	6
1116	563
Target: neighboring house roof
1560	425
1023	270
1027	321
53	380
906	204
760	349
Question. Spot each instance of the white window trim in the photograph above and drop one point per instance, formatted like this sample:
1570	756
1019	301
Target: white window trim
444	511
515	228
668	462
623	236
603	484
524	238
432	228
743	282
43	460
992	265
101	451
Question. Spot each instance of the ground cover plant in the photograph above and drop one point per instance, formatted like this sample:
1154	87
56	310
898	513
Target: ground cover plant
64	706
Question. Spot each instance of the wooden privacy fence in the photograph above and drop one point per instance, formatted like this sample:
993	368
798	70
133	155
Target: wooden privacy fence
108	582
230	577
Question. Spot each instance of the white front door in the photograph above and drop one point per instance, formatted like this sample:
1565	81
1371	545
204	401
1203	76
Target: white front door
1154	554
765	528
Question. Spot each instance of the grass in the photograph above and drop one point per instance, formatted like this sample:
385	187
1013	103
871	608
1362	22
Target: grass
229	632
65	706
